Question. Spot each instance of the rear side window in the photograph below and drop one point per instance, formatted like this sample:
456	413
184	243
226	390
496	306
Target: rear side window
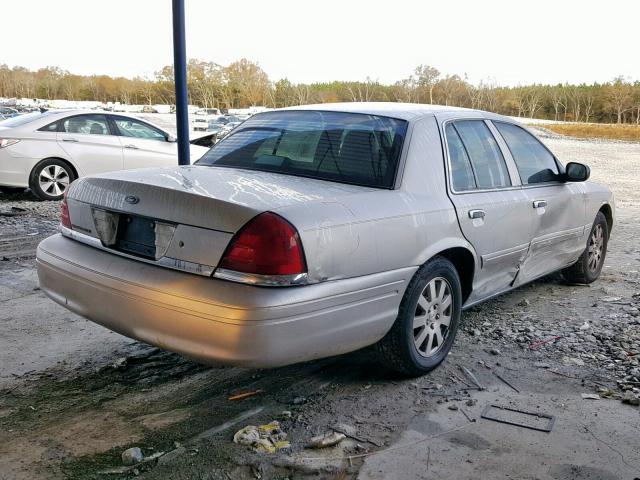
343	147
461	171
52	127
535	163
486	158
86	124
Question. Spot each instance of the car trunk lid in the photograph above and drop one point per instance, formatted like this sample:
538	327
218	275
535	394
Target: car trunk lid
184	214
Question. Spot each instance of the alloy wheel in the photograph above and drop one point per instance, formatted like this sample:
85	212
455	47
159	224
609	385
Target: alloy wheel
53	180
596	248
432	317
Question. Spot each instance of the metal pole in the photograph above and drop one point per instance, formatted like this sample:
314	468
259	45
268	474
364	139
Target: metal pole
180	79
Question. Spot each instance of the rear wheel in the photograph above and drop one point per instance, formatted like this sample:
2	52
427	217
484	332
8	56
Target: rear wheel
427	321
50	179
588	267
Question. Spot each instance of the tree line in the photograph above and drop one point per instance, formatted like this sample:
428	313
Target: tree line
243	83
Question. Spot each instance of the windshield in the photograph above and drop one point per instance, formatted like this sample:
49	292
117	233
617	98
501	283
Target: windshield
343	147
22	119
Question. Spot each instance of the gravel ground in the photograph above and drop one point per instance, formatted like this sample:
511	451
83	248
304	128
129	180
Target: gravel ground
73	396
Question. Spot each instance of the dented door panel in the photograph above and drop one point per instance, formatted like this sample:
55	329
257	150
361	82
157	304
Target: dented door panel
559	227
501	237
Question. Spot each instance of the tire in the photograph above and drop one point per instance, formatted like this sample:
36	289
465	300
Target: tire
50	178
588	267
402	348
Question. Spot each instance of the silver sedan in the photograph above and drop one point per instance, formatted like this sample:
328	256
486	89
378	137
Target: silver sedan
317	230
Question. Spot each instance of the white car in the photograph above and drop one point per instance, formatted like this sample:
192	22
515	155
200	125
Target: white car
202	117
47	151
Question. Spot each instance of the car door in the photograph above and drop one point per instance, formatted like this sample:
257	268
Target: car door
559	207
493	212
89	142
144	145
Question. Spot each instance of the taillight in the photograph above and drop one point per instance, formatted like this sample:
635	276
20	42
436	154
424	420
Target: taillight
266	251
65	219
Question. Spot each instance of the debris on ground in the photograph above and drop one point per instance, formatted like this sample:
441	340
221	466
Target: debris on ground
630	399
268	438
469	374
328	439
351	432
544	341
590	396
505	381
241	396
120	363
13	212
131	456
467	416
519	418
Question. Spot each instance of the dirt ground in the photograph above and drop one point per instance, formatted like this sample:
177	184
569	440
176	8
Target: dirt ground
74	396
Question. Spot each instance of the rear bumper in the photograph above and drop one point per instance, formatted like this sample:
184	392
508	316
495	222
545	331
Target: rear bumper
15	171
215	321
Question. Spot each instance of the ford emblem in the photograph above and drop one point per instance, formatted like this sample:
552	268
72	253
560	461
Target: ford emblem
131	199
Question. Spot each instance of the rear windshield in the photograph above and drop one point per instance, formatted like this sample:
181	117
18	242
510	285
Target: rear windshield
343	147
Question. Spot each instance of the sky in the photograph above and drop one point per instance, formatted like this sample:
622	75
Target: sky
510	42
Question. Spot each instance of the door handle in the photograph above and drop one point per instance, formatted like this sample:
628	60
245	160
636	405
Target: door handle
131	146
69	140
539	203
476	214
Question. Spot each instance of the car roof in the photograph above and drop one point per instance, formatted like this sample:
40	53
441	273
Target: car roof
403	111
53	115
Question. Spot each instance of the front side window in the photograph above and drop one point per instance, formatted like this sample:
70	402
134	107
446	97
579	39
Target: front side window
461	172
86	124
128	127
486	158
535	163
353	148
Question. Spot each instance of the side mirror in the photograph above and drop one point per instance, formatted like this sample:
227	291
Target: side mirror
171	138
576	172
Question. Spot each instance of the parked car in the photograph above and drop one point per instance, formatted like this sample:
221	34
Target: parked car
207	111
317	230
200	124
201	118
222	125
47	151
8	112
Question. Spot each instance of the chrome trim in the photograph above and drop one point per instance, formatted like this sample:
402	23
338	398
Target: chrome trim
166	262
518	249
557	237
262	280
